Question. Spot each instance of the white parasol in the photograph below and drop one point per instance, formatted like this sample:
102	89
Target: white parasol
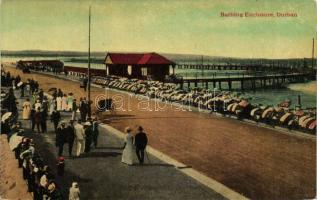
14	141
6	116
19	84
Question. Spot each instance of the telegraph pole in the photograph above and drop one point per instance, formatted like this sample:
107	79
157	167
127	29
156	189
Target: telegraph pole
313	52
88	72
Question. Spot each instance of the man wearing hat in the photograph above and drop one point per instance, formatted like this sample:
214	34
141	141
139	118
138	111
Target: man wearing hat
61	138
80	138
88	134
95	131
22	86
55	118
70	136
140	143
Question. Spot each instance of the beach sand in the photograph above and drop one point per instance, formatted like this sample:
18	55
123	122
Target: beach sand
309	88
257	162
12	184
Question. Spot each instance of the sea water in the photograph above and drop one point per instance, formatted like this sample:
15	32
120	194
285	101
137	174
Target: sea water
307	91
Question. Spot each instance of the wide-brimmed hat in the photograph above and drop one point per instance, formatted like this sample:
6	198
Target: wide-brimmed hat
6	116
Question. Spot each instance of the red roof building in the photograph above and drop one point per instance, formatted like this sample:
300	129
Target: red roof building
138	65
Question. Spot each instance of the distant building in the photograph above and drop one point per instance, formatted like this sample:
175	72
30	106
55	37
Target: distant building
138	65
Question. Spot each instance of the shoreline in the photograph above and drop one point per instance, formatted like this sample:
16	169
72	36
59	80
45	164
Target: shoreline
309	87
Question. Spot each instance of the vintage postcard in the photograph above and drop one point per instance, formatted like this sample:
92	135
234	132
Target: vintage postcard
158	99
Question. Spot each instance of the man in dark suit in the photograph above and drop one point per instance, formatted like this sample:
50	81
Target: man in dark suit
61	137
70	136
140	143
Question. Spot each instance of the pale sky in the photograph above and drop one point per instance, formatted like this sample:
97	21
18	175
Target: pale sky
169	26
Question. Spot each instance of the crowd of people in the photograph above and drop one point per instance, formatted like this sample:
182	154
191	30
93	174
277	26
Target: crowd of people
39	177
80	131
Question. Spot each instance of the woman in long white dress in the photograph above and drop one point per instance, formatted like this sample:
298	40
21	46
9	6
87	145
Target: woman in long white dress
64	103
26	109
52	105
59	103
128	151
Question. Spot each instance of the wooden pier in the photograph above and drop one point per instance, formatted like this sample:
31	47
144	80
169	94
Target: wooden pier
248	67
255	82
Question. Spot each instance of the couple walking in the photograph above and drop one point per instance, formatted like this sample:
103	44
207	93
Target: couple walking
134	145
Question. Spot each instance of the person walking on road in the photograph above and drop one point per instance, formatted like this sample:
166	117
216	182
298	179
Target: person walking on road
74	192
95	131
74	111
140	143
88	136
43	121
32	118
79	138
22	89
59	103
70	101
83	110
55	118
64	102
37	119
70	136
52	106
26	109
128	151
37	104
61	138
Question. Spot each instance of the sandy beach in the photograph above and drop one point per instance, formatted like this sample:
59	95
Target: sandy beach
257	162
309	88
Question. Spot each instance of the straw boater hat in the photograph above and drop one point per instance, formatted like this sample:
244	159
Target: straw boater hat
128	129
